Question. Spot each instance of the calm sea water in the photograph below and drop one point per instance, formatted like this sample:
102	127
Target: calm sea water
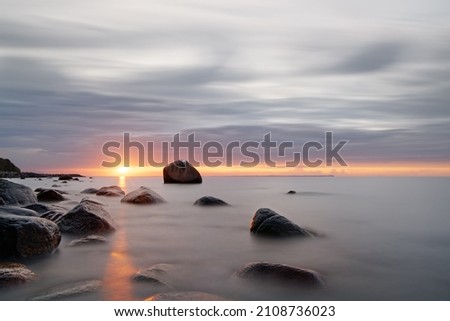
384	238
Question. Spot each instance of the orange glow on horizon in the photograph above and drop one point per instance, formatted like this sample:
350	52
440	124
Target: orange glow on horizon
354	169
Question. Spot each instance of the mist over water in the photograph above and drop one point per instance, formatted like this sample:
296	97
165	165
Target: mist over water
383	238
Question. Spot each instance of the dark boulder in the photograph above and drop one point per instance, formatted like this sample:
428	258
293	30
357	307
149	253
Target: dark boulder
90	190
91	239
24	236
15	210
185	296
264	273
209	201
87	218
181	172
50	195
110	191
15	273
16	194
47	211
143	195
268	223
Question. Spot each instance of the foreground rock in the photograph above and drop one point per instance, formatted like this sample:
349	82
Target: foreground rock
110	191
268	223
143	195
91	239
50	195
15	210
209	201
90	190
16	194
69	291
285	275
181	172
15	273
87	218
185	296
22	236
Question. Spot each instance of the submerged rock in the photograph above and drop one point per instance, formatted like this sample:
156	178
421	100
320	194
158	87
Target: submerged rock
143	195
50	195
47	211
263	273
266	222
16	194
87	218
15	273
181	172
22	236
15	210
209	201
90	190
110	191
91	239
69	291
292	192
185	296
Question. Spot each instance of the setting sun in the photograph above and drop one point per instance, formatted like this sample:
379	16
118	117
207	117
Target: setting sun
123	170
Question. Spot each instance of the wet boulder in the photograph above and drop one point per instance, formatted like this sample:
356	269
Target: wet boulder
25	236
110	191
181	172
14	274
86	218
50	195
16	194
269	223
143	195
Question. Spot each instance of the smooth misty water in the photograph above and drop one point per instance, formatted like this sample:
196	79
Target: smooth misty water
384	238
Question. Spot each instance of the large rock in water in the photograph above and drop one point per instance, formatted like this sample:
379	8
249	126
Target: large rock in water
50	195
15	273
143	195
110	191
269	223
16	194
181	172
25	236
263	273
86	218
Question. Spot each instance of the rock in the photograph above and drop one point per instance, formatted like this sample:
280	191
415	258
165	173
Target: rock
143	195
15	210
209	201
56	185
185	296
41	189
89	191
47	211
110	191
2	202
181	172
76	179
69	291
268	223
91	239
15	273
87	218
22	236
94	201
263	272
50	195
157	273
65	178
7	166
292	192
16	194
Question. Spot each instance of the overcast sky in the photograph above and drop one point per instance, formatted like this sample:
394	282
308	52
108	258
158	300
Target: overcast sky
75	74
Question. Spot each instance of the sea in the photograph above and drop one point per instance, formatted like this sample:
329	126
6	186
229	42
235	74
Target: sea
380	238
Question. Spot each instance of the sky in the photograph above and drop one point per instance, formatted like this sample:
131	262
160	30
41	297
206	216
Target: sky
77	74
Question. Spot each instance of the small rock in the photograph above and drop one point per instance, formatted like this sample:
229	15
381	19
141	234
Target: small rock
209	201
110	191
263	272
268	223
69	291
90	190
50	195
15	273
292	192
91	239
185	296
181	172
143	195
